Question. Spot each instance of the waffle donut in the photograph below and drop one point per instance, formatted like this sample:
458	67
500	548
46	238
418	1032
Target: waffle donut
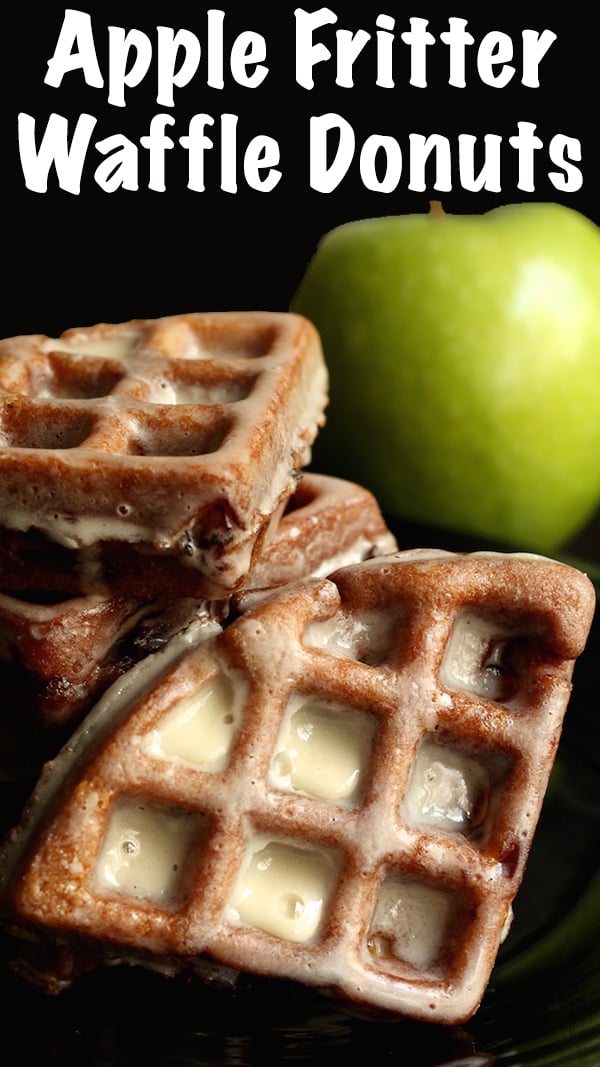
59	653
172	442
340	788
326	521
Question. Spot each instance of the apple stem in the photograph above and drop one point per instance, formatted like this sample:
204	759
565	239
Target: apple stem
436	209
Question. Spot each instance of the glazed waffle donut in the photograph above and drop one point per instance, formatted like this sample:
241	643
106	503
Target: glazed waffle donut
60	650
60	656
175	439
49	680
327	521
340	788
56	659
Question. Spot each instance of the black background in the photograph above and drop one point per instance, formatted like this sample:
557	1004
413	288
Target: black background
75	260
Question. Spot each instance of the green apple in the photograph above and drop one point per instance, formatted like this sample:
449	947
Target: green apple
464	358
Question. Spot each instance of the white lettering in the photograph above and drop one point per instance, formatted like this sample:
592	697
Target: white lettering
420	150
496	49
373	147
307	53
526	144
562	150
535	47
120	169
489	174
75	50
418	39
262	154
157	144
120	44
324	176
169	76
350	45
197	144
54	150
457	40
249	49
229	153
385	55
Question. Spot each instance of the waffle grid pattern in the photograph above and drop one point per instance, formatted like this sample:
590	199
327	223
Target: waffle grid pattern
145	431
310	643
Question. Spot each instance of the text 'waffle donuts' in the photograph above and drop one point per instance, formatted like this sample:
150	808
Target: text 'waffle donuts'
339	788
180	436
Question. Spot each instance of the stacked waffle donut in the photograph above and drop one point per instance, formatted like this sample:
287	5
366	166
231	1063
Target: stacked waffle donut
301	752
150	471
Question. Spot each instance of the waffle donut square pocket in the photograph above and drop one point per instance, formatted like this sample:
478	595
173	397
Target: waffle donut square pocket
340	787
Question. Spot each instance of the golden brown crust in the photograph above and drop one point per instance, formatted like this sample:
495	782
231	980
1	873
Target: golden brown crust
469	655
326	520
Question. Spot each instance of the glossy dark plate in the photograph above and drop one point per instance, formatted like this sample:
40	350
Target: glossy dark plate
541	1008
